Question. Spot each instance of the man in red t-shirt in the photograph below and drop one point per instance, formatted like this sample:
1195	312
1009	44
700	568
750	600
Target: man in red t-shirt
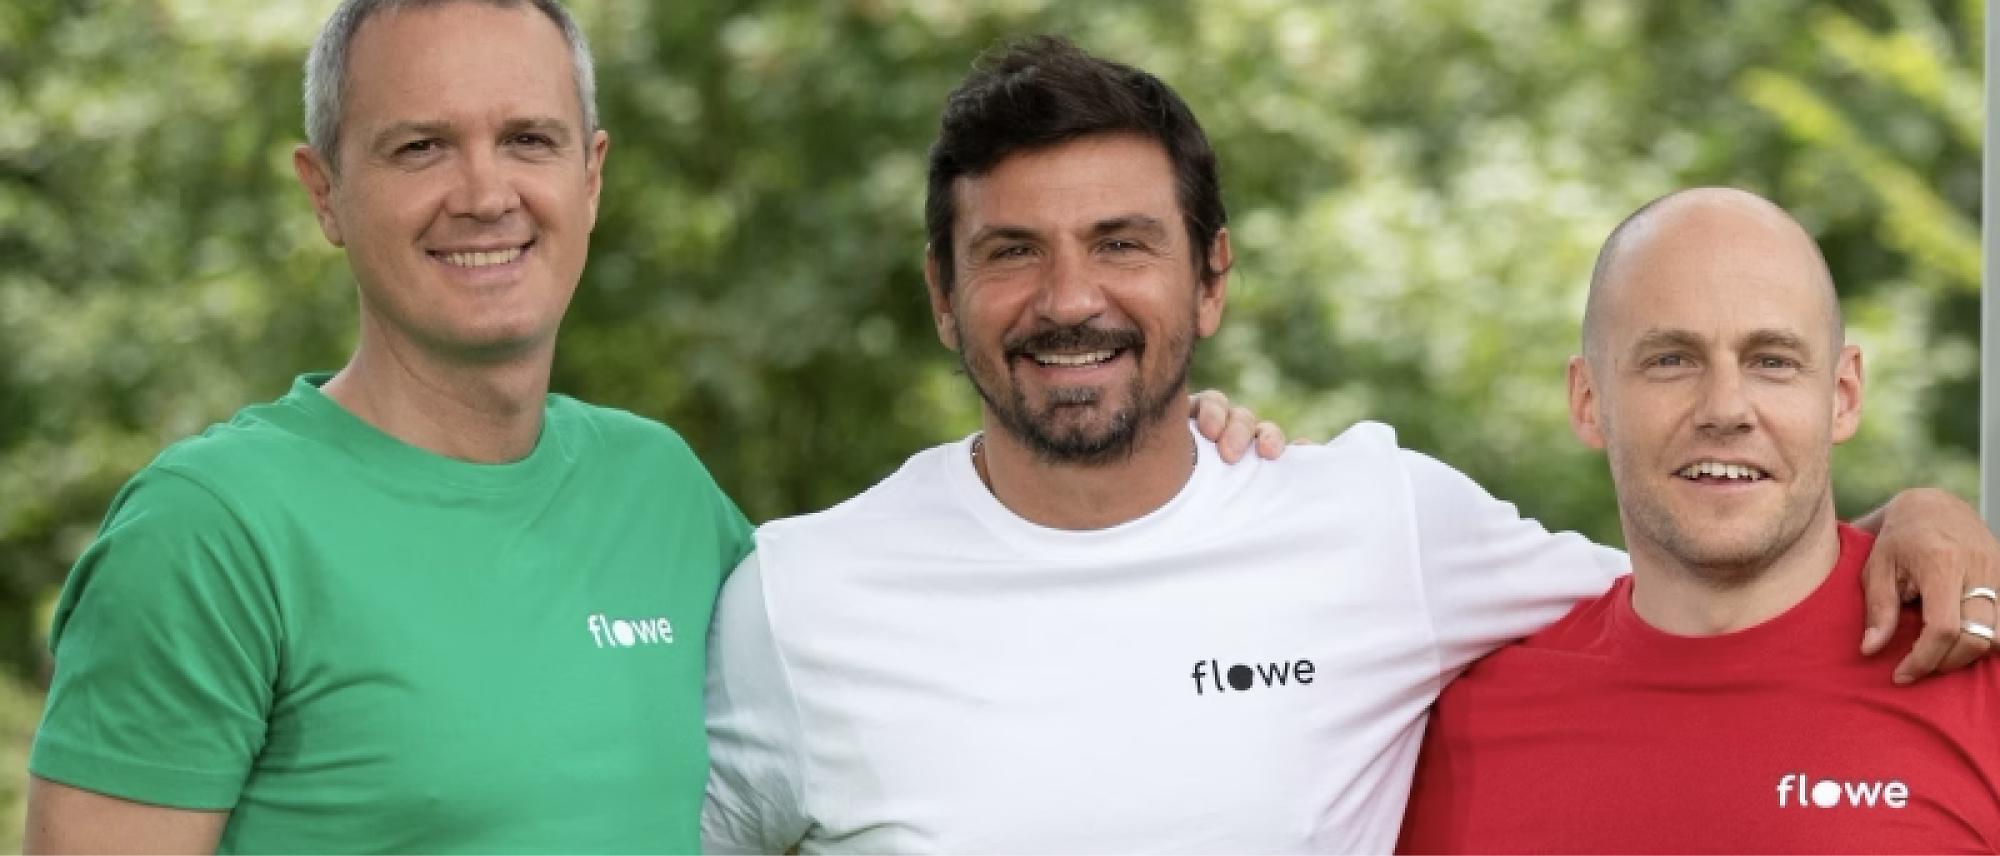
1704	704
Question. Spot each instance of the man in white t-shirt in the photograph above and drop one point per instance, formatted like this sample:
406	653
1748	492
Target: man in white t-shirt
1076	630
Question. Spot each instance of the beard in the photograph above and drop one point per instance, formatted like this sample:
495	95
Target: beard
1061	430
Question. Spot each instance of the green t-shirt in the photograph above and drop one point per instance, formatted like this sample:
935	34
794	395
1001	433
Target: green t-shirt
354	645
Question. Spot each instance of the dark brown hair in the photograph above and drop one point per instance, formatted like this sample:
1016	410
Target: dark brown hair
1044	91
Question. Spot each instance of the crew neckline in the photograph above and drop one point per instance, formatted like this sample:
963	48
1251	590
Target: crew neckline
328	421
1143	534
1824	624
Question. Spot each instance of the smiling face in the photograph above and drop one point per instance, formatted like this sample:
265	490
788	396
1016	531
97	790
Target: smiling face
1076	302
467	185
1716	383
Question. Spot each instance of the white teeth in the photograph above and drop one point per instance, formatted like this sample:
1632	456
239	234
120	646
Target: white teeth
496	257
1722	471
1073	359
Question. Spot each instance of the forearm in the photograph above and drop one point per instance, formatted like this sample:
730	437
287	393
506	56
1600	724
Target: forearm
1917	498
1871	522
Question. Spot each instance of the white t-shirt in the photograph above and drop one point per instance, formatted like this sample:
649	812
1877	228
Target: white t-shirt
1246	669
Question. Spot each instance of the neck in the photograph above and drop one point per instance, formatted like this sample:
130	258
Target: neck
485	413
1079	496
1680	598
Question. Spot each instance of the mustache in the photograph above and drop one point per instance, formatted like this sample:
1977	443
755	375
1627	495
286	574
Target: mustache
1072	337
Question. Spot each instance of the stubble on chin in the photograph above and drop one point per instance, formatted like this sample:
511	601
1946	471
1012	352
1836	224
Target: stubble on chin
1720	559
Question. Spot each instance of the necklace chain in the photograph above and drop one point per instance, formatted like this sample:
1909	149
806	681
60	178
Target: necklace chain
979	445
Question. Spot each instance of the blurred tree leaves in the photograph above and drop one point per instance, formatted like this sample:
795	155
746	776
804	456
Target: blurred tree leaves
1417	191
20	710
154	270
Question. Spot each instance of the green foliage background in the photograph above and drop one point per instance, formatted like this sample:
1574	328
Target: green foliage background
1417	191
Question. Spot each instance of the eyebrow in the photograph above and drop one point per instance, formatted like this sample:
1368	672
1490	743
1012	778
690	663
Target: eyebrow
1129	223
1772	339
406	130
1761	338
556	129
991	234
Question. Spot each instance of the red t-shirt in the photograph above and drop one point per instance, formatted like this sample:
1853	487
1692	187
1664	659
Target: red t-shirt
1603	734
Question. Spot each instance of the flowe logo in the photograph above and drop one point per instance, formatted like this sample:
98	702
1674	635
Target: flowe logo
1797	789
627	632
1240	677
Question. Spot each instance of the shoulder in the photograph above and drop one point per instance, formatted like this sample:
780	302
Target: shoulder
1587	625
595	432
1541	670
1366	455
245	443
1359	478
179	498
238	464
1362	440
611	424
216	484
620	451
1366	436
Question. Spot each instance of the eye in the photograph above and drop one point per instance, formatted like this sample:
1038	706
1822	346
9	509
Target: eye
1009	251
1122	245
534	140
1669	365
1774	363
418	147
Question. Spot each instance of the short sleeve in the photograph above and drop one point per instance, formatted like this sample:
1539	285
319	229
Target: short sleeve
166	644
1490	575
755	801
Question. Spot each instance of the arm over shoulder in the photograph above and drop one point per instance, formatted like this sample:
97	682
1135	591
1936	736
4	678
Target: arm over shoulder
1491	575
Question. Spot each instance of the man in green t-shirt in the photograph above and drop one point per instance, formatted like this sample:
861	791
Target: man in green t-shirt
420	604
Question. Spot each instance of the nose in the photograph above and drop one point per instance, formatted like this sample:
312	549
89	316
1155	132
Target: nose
1725	406
485	190
1071	291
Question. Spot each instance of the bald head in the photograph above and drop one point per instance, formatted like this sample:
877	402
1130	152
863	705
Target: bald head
1705	231
1716	378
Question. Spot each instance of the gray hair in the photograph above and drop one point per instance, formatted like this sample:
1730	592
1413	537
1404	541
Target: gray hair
326	64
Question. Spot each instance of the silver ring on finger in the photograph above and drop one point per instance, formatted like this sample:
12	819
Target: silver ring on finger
1980	630
1982	591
